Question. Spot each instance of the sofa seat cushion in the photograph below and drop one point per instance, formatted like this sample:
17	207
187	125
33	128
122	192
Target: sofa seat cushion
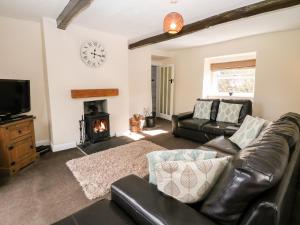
192	123
218	128
103	212
146	205
223	145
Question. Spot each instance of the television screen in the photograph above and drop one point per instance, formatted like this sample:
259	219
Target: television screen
14	96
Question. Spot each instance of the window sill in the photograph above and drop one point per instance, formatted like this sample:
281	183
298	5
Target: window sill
229	97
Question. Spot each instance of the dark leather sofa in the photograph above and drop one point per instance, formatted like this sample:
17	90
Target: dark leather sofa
202	130
258	187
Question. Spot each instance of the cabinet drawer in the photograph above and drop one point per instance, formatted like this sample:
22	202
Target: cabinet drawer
21	149
19	130
24	162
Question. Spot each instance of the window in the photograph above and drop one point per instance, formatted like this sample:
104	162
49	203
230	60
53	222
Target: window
235	79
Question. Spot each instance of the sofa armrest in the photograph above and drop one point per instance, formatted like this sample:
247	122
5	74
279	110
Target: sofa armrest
178	117
103	212
146	205
182	116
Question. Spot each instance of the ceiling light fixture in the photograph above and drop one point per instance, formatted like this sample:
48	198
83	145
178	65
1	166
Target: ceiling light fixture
173	22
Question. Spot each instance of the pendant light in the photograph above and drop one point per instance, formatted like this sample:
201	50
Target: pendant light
173	22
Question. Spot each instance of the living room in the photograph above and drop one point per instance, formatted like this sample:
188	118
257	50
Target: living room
136	70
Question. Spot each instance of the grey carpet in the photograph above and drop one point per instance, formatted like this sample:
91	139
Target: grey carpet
46	191
42	193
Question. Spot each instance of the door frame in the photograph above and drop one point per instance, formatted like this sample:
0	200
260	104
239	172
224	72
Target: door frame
158	79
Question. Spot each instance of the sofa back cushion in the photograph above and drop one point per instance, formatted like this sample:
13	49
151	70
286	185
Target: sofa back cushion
287	129
254	169
293	117
275	206
246	109
214	107
229	112
202	110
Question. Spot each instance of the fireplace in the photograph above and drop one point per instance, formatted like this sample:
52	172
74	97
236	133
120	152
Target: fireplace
97	126
96	121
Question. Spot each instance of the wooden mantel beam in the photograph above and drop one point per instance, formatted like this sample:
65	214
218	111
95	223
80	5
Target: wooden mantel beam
243	12
70	11
89	93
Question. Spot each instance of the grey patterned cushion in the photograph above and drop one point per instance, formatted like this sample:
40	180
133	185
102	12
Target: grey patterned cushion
248	131
202	110
175	155
189	182
229	112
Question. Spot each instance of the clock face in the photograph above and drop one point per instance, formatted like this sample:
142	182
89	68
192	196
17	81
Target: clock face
92	53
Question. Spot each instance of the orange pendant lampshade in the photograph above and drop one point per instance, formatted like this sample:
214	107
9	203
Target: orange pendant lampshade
173	23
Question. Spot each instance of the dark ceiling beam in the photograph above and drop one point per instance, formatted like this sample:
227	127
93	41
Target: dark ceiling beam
70	11
243	12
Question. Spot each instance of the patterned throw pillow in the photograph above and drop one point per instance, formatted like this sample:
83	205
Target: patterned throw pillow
175	155
229	112
202	110
189	182
248	131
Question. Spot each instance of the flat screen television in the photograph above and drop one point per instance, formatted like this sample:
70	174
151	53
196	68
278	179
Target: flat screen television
14	97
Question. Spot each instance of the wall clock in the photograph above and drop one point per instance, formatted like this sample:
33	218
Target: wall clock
92	53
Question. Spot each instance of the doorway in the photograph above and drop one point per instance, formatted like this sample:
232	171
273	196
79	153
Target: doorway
162	85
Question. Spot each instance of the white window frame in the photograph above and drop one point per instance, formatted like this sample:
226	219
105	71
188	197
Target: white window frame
215	93
207	88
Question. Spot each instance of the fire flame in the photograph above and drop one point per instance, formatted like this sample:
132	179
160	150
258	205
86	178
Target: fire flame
99	127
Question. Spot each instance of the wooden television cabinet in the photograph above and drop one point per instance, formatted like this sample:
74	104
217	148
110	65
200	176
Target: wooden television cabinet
17	145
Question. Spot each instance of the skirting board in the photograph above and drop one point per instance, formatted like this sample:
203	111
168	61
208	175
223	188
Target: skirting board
42	142
61	147
65	146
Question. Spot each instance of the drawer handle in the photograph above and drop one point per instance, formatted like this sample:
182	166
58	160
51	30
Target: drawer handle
20	132
13	163
31	146
11	147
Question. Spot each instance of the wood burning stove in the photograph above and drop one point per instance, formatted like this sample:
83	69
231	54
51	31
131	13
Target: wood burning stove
97	126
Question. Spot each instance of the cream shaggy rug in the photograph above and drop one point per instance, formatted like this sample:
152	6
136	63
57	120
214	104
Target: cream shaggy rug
98	171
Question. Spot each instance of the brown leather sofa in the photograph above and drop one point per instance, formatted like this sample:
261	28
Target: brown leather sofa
258	187
202	130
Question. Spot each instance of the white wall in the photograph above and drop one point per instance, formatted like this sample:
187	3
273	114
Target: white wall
277	72
66	71
140	80
21	58
140	61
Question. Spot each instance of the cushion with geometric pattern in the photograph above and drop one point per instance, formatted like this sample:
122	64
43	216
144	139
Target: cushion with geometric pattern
202	110
248	131
175	155
229	112
189	182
